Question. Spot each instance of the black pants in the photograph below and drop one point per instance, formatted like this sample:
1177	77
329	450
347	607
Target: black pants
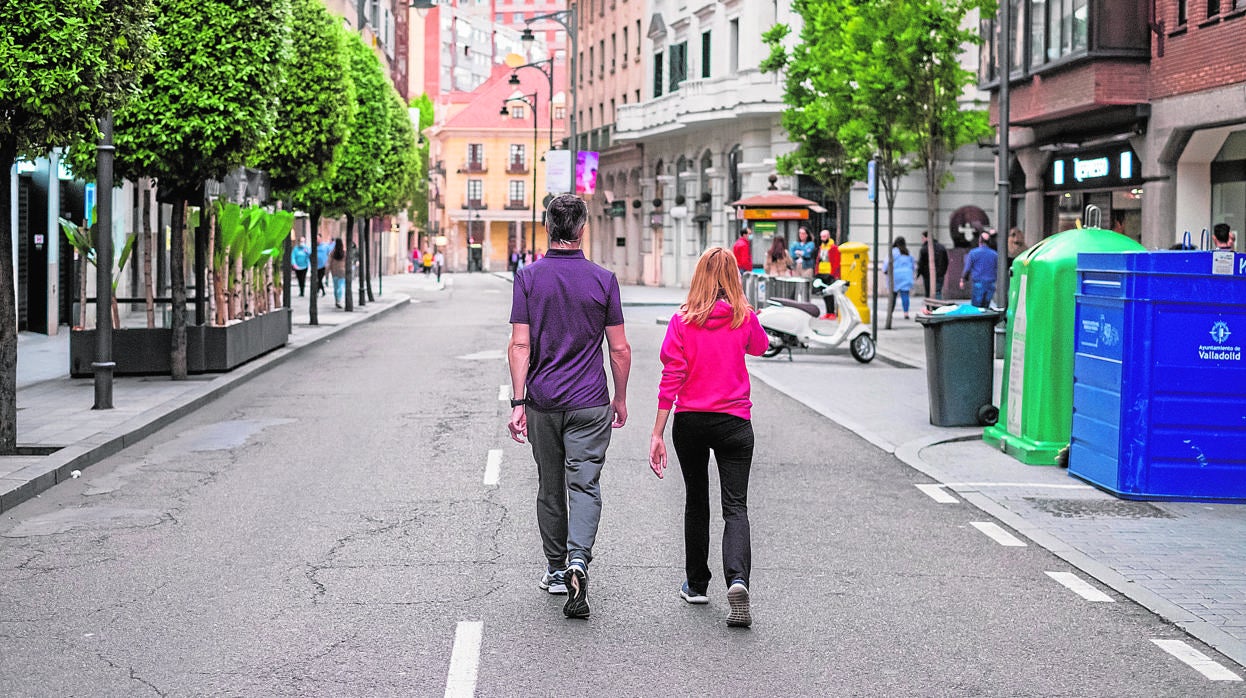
694	435
320	280
827	296
302	274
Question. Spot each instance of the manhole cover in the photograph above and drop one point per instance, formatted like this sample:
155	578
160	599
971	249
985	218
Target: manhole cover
1094	508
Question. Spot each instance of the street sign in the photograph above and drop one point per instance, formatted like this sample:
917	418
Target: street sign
871	179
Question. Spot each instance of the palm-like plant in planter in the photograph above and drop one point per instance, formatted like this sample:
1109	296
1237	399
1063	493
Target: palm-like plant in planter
249	240
82	239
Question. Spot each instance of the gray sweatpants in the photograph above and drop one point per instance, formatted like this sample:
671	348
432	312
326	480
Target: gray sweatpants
569	449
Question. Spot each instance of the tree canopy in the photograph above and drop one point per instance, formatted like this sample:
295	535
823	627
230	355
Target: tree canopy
315	102
878	79
63	65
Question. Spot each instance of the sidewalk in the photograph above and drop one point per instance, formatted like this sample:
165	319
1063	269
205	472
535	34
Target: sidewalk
61	433
1185	562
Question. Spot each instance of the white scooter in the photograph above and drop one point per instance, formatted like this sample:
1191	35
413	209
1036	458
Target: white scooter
795	324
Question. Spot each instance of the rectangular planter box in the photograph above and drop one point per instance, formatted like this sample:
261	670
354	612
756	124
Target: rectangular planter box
140	351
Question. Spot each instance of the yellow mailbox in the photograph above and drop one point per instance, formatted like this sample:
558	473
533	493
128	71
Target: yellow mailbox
854	266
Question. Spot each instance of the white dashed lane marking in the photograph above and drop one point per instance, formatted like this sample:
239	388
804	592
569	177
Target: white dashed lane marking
997	534
1197	660
493	466
464	659
1080	587
937	493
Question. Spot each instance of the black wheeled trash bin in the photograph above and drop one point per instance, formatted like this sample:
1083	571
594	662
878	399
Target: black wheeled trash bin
960	366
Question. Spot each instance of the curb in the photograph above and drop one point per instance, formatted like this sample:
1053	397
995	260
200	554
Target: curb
910	454
58	467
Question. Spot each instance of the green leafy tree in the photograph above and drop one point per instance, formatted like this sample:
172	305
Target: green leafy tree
204	109
419	195
63	65
316	102
880	79
352	188
400	167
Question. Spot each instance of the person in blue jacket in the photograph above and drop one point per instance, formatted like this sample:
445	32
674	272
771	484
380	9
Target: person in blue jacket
323	249
300	258
802	253
980	266
900	269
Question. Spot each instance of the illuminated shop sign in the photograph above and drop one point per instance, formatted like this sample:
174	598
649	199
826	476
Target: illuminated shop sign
1096	169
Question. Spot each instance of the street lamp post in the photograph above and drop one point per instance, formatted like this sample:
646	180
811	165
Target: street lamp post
549	77
530	100
103	365
567	18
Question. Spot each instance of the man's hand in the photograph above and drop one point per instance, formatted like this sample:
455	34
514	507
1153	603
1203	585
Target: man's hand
518	424
619	405
962	283
657	454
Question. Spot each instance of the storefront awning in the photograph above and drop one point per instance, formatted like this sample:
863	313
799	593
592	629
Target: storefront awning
775	199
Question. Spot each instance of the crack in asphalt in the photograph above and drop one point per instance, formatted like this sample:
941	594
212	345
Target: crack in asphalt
134	676
315	568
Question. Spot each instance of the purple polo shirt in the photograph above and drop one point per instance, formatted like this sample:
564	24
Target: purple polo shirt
567	303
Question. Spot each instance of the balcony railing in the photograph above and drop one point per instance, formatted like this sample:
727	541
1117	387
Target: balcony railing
474	166
517	205
476	204
517	167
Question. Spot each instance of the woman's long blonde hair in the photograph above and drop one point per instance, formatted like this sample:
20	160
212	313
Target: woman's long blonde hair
716	278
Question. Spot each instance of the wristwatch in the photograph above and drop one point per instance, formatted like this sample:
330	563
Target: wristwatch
519	403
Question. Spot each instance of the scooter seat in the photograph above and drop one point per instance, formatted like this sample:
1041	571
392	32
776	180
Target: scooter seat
807	307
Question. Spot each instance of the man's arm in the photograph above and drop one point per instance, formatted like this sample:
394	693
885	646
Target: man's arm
620	369
518	353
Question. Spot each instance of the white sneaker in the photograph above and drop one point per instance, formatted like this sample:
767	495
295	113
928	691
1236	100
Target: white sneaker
553	582
737	598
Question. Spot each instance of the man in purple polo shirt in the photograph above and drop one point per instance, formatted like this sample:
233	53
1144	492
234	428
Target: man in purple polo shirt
563	306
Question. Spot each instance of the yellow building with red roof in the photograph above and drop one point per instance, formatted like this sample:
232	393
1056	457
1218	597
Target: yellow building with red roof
486	175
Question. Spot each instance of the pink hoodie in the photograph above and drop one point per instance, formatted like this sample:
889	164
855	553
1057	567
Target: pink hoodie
703	367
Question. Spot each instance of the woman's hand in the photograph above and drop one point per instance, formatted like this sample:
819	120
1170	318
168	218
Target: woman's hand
657	454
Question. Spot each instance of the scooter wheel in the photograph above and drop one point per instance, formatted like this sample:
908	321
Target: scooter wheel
777	343
988	415
862	348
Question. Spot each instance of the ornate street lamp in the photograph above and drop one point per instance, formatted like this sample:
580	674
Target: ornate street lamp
567	18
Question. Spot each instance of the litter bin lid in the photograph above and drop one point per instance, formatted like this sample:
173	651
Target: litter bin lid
960	313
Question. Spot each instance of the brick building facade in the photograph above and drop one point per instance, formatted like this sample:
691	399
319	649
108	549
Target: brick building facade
1136	108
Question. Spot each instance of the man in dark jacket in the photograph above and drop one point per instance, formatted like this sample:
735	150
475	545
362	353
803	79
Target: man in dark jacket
923	265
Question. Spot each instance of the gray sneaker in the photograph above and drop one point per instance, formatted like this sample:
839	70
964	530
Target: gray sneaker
553	582
737	598
576	578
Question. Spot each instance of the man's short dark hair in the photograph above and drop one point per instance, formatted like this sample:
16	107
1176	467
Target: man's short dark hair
565	217
1221	231
743	231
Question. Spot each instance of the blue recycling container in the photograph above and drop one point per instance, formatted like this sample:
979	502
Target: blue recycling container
1159	375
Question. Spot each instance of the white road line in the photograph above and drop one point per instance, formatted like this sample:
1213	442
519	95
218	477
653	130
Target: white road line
1080	587
1197	660
504	392
493	466
1019	484
937	493
997	534
461	681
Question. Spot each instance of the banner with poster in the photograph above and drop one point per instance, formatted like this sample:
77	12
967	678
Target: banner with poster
586	173
558	171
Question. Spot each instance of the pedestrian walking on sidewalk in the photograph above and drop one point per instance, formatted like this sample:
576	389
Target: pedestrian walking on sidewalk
802	253
899	269
980	266
563	305
828	268
300	258
323	248
705	381
778	259
337	267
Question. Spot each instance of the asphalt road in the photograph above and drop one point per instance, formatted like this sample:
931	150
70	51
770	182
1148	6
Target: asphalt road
326	529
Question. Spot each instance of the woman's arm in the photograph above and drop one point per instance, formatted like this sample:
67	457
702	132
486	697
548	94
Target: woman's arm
657	443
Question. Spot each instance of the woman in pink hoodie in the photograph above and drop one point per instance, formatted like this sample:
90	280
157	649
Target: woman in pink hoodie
704	380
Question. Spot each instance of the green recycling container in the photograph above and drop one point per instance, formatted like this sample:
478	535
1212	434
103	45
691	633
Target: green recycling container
1036	397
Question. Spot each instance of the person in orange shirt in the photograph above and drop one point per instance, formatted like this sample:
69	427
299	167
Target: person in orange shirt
827	270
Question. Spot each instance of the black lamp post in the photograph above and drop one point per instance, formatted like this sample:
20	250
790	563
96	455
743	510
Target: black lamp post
547	69
103	365
567	18
530	100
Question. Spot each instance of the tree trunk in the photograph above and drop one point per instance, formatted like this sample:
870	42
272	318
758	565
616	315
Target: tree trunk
236	288
149	297
368	276
363	261
313	318
8	305
350	256
932	214
177	280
